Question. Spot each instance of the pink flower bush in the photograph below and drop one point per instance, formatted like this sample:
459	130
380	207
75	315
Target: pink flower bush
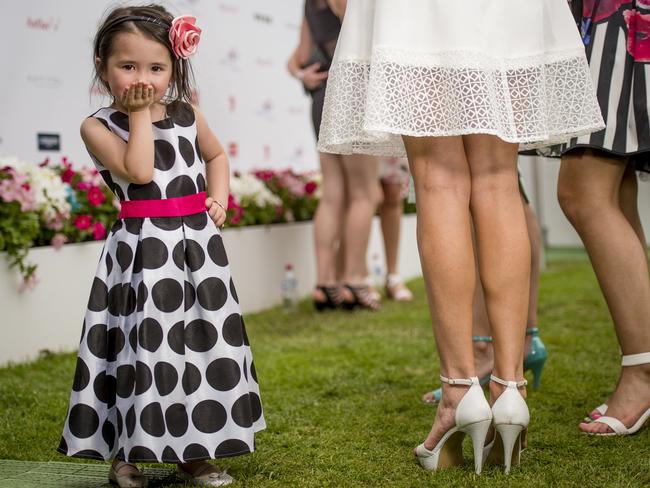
82	222
99	231
96	196
15	187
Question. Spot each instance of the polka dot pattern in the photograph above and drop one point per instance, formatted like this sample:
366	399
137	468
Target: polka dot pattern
165	372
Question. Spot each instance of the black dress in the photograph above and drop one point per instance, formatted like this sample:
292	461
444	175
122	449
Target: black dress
324	27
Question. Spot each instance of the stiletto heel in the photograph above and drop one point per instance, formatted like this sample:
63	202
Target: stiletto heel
536	357
510	437
478	433
473	417
510	417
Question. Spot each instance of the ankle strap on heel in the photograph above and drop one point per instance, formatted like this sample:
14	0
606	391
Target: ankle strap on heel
532	331
462	381
481	338
635	359
514	384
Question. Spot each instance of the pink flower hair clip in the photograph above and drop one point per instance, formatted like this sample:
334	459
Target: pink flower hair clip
184	36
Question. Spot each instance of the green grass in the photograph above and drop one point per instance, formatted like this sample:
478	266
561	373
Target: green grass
341	396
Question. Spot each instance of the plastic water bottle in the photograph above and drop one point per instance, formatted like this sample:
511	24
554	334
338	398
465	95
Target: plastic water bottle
289	289
377	270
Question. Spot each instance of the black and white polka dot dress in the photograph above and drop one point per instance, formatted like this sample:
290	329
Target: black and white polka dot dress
165	371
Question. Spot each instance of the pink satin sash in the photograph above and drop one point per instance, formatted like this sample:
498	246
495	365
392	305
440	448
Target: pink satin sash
169	207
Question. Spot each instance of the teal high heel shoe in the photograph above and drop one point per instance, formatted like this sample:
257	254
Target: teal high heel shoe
536	357
534	362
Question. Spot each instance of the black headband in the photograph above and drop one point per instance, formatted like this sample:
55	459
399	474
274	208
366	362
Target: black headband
128	18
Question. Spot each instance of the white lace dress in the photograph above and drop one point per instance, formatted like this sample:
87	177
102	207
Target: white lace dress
512	68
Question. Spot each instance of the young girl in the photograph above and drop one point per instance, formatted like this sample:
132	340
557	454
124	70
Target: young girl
165	372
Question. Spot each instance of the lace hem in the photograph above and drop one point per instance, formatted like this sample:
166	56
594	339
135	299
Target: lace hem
535	101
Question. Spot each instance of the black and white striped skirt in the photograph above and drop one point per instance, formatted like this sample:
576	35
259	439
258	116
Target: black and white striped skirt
618	50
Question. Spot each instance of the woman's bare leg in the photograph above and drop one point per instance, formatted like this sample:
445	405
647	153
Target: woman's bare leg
327	222
363	196
390	214
503	249
443	187
590	194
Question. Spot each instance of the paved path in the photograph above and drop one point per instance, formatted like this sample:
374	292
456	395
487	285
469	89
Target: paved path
30	474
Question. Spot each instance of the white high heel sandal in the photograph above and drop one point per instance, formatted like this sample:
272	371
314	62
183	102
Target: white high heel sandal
473	417
613	423
510	417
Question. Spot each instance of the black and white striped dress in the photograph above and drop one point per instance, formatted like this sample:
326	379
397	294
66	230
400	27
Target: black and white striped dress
617	38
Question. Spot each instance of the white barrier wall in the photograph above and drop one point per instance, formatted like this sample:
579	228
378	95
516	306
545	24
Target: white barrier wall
50	316
257	110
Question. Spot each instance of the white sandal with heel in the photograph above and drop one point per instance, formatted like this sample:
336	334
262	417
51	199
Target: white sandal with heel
510	417
613	423
473	417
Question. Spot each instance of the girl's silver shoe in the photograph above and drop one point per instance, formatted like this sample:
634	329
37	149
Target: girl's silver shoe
126	480
201	477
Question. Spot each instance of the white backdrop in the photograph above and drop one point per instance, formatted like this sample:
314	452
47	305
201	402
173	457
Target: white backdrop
257	110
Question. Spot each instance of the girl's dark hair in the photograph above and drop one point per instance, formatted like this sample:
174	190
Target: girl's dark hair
152	21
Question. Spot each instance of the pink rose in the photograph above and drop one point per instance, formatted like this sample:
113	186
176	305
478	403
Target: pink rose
67	175
58	240
96	196
82	222
99	231
184	36
310	187
29	283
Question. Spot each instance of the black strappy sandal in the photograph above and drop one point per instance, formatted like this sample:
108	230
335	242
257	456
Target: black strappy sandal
333	298
362	298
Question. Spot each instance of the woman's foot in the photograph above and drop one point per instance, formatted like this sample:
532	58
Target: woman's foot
628	403
463	410
397	290
126	475
202	473
327	297
359	296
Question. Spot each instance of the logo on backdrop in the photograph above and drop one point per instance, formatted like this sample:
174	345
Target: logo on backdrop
44	81
267	152
231	59
48	141
48	25
266	109
264	62
232	103
229	8
232	149
296	110
263	18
